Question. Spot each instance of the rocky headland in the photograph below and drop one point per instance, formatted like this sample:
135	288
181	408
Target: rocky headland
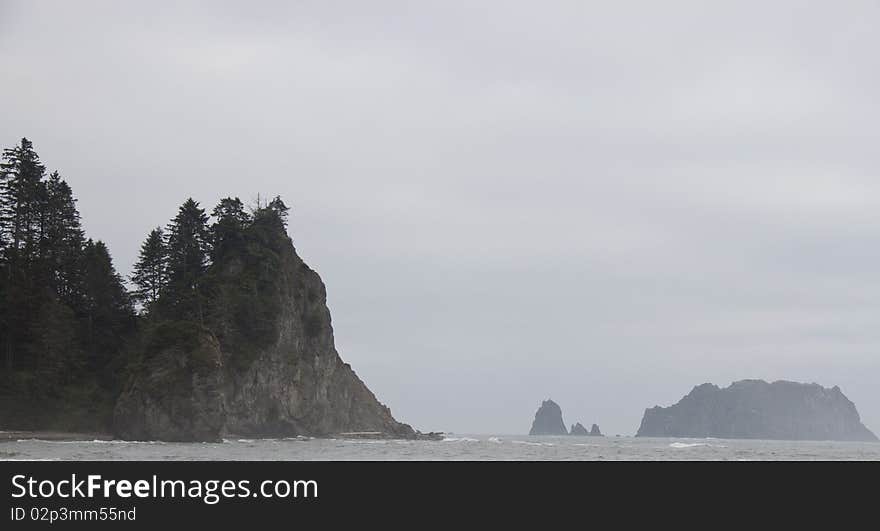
222	330
261	363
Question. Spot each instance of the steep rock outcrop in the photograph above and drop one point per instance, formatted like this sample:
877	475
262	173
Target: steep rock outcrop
548	420
578	429
298	385
595	432
263	364
755	409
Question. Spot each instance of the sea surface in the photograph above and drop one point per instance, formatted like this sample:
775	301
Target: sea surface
454	447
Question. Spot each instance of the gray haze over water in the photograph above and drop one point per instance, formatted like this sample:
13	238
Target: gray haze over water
509	201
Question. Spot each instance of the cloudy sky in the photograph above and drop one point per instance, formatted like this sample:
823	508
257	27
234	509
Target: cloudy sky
602	203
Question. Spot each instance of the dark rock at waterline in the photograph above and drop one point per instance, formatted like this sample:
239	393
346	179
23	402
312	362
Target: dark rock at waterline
430	436
755	409
548	420
595	432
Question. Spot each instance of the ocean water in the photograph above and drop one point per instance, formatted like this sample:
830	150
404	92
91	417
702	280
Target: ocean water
454	447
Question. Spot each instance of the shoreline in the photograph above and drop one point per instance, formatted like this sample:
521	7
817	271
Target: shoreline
52	435
65	436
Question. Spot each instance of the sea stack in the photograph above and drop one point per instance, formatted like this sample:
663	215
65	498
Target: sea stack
755	409
578	429
548	420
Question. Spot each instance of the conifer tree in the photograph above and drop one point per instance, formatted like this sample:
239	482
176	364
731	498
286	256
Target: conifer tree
62	240
21	173
231	219
151	270
108	311
272	215
280	209
189	247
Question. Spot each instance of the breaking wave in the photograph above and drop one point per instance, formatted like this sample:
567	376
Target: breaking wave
686	445
692	445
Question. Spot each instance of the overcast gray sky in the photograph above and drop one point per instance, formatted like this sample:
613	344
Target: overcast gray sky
602	203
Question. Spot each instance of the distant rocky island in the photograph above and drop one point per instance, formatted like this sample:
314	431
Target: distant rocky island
548	421
755	409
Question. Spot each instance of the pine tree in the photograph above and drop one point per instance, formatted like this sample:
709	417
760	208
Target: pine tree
108	310
21	194
150	272
231	219
189	246
280	209
62	240
21	172
273	214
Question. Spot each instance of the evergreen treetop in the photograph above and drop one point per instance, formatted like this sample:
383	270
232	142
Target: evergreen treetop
150	274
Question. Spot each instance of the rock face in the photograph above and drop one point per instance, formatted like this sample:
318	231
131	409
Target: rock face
278	376
548	420
578	429
755	409
594	431
178	394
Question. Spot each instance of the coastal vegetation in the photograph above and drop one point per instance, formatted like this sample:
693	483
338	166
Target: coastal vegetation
72	329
